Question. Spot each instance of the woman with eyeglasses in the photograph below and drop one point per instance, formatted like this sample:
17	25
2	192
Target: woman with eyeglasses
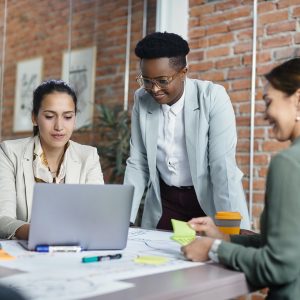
49	156
183	140
272	258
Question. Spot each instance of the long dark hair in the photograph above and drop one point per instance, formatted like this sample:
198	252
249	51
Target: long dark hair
286	77
46	88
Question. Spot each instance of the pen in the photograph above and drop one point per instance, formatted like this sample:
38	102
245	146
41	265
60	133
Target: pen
100	258
46	248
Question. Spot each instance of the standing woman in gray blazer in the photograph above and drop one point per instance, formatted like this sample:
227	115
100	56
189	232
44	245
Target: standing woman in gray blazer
183	140
49	156
272	258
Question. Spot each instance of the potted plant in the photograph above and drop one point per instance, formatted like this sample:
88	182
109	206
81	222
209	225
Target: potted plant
114	127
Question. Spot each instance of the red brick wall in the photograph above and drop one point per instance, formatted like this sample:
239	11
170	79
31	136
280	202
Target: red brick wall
31	33
43	31
220	35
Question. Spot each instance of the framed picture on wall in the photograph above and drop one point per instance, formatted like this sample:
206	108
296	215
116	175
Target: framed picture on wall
79	71
28	77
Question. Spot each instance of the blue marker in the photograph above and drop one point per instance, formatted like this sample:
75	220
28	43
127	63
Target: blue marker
46	248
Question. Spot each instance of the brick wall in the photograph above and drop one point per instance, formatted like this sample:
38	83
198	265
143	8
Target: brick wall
220	35
43	31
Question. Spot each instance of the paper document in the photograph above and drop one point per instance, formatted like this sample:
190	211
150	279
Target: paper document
62	286
147	252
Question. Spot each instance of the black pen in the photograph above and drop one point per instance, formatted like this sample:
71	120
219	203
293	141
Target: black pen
100	258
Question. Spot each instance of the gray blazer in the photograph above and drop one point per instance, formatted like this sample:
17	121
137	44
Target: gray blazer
210	134
17	179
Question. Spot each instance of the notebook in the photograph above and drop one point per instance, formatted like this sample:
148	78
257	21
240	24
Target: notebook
95	217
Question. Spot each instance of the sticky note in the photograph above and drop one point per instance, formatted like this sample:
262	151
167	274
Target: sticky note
183	233
5	256
151	260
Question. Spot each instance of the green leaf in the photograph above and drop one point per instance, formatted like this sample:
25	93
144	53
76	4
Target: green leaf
114	127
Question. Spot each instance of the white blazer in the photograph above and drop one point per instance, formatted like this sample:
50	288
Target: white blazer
210	134
17	178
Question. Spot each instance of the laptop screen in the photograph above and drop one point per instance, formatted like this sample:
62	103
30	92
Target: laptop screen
95	217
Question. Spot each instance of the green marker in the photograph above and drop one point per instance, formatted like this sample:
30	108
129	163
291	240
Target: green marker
90	259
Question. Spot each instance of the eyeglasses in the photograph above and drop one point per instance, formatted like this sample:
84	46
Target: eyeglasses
161	82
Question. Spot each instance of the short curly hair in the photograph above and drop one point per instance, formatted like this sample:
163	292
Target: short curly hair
164	44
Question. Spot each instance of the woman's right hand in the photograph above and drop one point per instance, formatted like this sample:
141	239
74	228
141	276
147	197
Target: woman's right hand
206	226
22	232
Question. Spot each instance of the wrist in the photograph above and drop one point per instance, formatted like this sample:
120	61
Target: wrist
213	251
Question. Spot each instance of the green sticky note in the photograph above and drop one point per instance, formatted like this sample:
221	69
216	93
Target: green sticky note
183	233
151	260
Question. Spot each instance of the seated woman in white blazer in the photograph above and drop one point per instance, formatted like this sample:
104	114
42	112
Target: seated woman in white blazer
49	156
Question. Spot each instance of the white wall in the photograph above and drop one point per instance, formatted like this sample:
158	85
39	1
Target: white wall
172	16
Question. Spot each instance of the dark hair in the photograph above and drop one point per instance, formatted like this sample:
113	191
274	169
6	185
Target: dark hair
46	88
164	44
286	77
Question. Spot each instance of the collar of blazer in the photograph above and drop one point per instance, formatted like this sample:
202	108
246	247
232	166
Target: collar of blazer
28	174
192	123
73	164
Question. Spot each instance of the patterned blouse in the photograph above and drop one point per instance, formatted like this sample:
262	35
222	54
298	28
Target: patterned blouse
41	170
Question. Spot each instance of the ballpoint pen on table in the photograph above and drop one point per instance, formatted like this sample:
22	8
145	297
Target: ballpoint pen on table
47	248
89	259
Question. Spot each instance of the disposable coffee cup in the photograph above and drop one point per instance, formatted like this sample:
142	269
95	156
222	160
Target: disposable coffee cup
228	221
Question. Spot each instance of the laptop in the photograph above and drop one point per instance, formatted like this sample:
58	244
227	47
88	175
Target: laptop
95	217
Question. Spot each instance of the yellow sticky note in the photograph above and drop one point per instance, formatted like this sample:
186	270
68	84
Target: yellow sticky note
183	233
5	256
151	260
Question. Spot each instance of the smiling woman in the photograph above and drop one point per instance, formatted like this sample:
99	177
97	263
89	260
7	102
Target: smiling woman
281	96
49	156
183	140
270	259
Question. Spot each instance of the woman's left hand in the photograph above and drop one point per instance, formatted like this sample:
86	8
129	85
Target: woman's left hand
198	249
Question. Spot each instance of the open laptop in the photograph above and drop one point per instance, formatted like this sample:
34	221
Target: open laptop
95	217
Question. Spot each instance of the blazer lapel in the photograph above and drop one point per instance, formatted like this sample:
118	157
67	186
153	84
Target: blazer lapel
73	166
191	123
152	123
28	176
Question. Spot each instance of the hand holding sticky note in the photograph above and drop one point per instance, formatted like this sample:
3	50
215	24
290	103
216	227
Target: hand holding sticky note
183	233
